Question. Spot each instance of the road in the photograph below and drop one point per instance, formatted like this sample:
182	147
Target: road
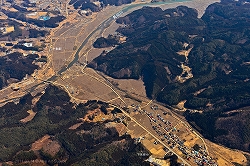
104	24
153	135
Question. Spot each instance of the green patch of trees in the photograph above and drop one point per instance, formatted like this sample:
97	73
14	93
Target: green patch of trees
218	59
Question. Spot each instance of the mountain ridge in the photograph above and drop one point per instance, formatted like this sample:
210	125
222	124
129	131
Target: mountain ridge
218	59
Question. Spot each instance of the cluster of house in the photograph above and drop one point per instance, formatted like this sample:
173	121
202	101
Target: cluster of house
168	134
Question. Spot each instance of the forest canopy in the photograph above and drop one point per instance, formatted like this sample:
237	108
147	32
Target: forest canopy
218	47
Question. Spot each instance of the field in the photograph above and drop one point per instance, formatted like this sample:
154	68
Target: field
82	84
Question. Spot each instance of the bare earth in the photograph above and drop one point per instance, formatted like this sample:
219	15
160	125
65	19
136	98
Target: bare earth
48	146
226	155
29	117
88	85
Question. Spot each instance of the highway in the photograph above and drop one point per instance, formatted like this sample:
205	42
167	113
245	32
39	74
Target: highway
133	119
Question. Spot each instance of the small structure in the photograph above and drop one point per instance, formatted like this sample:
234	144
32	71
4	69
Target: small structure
38	15
32	14
15	88
156	162
97	3
32	1
28	44
44	18
8	44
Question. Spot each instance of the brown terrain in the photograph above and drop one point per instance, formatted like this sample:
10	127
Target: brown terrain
84	84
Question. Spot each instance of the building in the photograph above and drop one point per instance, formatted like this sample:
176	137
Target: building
38	15
44	18
32	14
28	44
156	162
7	29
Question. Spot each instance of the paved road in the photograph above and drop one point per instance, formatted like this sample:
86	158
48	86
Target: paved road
153	135
103	25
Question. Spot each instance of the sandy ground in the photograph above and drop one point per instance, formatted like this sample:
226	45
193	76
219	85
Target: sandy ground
91	88
29	117
37	145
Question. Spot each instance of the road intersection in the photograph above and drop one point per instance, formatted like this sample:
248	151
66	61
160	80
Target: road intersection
72	60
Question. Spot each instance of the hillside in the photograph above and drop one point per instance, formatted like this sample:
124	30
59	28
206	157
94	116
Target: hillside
96	6
14	67
50	138
21	15
181	57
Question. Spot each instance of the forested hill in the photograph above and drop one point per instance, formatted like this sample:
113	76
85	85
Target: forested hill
219	59
92	5
14	67
88	144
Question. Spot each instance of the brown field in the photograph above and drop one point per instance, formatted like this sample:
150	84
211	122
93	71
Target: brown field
144	120
94	52
59	43
93	73
226	156
59	59
81	36
130	85
156	150
74	31
63	29
45	143
111	29
90	88
191	140
135	131
37	145
69	44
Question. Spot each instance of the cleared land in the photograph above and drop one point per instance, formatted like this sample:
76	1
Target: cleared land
29	117
91	86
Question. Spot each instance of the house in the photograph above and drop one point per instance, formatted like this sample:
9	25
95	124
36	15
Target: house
28	44
44	18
